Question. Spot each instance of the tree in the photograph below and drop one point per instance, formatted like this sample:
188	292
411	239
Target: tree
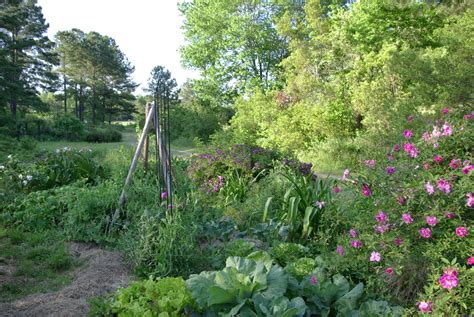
98	72
26	54
161	83
234	43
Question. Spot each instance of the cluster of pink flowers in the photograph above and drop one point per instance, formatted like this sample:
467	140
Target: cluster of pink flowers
470	200
429	188
455	163
438	159
425	307
381	217
370	163
425	233
449	279
431	220
461	232
407	218
467	169
356	244
443	186
375	257
407	134
411	150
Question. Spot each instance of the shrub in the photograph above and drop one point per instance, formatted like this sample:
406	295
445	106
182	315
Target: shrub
102	135
411	219
68	127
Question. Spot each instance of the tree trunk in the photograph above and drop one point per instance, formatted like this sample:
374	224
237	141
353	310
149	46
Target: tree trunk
13	105
76	102
65	94
93	106
81	104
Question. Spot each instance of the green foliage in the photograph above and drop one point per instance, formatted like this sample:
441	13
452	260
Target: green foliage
100	135
161	297
68	127
287	252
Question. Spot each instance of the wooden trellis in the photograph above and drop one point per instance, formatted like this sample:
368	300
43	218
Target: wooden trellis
158	115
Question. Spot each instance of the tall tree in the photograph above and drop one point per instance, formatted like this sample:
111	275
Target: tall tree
26	54
234	43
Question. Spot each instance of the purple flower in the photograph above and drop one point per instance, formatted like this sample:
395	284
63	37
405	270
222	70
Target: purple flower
340	250
313	280
397	241
429	188
426	136
449	279
407	134
319	204
353	233
396	148
401	200
410	118
366	190
445	111
336	189
438	159
381	228
370	163
375	257
447	131
381	217
455	163
431	220
390	170
407	218
449	215
425	233
467	169
470	200
356	244
390	156
164	195
425	307
345	175
443	185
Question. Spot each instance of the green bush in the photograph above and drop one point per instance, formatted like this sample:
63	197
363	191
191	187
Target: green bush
68	127
103	135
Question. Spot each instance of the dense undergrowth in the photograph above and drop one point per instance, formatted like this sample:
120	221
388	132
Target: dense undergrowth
253	233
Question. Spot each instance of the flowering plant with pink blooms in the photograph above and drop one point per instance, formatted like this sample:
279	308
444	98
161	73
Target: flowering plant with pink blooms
417	219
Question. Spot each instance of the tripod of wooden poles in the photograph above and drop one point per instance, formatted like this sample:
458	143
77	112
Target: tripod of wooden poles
156	114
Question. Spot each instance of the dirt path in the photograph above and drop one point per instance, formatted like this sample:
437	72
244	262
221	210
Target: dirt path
102	272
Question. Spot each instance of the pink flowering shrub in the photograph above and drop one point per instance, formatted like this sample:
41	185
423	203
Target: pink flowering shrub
414	227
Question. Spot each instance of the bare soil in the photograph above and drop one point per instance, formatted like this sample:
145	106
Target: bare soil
102	272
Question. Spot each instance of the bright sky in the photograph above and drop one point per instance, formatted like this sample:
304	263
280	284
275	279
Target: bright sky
147	31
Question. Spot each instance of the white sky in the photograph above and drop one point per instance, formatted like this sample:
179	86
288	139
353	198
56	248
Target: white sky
147	31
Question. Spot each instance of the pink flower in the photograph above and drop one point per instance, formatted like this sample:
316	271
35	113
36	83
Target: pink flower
370	163
390	156
353	233
408	147
313	280
396	148
438	159
455	163
407	218
431	220
375	257
390	170
410	118
345	174
445	111
389	271
426	166
467	117
397	241
436	145
429	188
413	153
356	244
425	307
449	279
443	185
470	261
467	169
336	189
407	134
401	200
425	232
381	228
470	200
340	250
449	215
164	195
381	217
461	231
426	136
436	133
366	190
447	131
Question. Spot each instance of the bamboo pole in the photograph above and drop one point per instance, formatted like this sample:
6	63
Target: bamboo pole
147	141
163	154
134	161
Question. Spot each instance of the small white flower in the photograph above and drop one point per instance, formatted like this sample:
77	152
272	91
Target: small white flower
9	157
29	177
58	150
20	176
2	167
320	204
25	182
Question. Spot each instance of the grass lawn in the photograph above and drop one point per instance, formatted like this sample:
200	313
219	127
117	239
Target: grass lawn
32	263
